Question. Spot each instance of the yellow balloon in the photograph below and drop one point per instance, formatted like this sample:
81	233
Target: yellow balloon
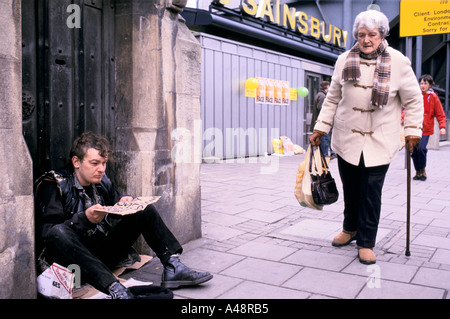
251	83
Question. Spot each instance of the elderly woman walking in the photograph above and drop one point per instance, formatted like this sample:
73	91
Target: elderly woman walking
370	84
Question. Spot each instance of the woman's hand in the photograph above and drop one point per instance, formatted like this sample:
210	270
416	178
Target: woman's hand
411	141
442	131
315	137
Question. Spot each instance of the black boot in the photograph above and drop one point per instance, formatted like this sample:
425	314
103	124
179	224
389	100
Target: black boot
118	291
176	274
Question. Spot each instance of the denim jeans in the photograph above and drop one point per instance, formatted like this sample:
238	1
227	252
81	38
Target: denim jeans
325	144
419	154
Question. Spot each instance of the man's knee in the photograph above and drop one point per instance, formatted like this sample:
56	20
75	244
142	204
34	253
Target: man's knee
151	211
59	233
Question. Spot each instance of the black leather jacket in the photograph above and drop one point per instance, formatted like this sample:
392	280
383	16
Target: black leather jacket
59	199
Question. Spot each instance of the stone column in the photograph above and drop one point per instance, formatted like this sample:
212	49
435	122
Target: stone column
433	141
17	270
158	108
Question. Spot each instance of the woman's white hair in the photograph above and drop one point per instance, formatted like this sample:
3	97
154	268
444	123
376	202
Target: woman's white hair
371	19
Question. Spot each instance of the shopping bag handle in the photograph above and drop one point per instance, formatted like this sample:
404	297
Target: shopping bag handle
322	157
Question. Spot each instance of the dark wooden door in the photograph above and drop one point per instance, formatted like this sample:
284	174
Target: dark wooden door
68	75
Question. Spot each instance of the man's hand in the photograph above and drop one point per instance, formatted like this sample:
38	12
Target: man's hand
126	199
411	141
442	131
93	216
315	137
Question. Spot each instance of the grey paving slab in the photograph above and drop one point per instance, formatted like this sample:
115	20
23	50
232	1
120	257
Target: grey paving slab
230	208
417	219
261	198
319	260
445	216
386	289
222	219
263	251
320	229
212	289
256	290
328	283
267	206
439	222
263	271
219	232
433	278
261	215
432	241
314	228
442	256
210	260
383	270
225	199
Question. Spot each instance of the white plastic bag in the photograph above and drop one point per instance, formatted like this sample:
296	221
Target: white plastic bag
303	184
288	146
56	282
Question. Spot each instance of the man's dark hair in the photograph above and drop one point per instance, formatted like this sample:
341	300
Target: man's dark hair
89	140
324	84
427	78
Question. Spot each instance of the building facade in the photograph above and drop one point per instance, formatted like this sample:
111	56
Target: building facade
292	41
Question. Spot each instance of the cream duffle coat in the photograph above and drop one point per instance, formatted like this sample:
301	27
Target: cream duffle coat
358	126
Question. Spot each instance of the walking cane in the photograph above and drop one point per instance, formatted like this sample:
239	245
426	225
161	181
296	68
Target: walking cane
408	199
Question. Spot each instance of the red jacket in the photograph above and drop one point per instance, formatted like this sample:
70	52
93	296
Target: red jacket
432	108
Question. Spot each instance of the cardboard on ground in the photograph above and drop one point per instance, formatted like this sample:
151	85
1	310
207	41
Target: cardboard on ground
130	207
424	17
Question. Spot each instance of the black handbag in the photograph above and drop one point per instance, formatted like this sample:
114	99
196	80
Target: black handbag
323	186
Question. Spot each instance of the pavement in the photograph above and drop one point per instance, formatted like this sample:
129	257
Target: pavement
259	243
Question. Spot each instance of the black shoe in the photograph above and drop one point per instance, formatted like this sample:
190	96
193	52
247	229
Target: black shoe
418	175
176	274
118	291
424	175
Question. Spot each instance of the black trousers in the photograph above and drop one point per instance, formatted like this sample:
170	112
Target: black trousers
96	254
362	188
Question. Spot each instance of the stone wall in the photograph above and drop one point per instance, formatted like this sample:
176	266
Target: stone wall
157	97
17	275
158	108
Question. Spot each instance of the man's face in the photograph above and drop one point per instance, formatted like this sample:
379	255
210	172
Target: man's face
91	169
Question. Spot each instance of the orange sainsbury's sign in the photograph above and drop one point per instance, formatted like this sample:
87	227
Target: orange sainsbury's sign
293	19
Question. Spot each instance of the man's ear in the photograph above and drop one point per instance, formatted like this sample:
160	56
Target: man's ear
75	162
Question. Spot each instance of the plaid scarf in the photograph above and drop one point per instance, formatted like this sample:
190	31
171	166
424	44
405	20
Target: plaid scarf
382	77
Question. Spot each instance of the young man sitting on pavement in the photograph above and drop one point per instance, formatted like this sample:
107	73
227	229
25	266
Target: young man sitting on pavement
69	230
